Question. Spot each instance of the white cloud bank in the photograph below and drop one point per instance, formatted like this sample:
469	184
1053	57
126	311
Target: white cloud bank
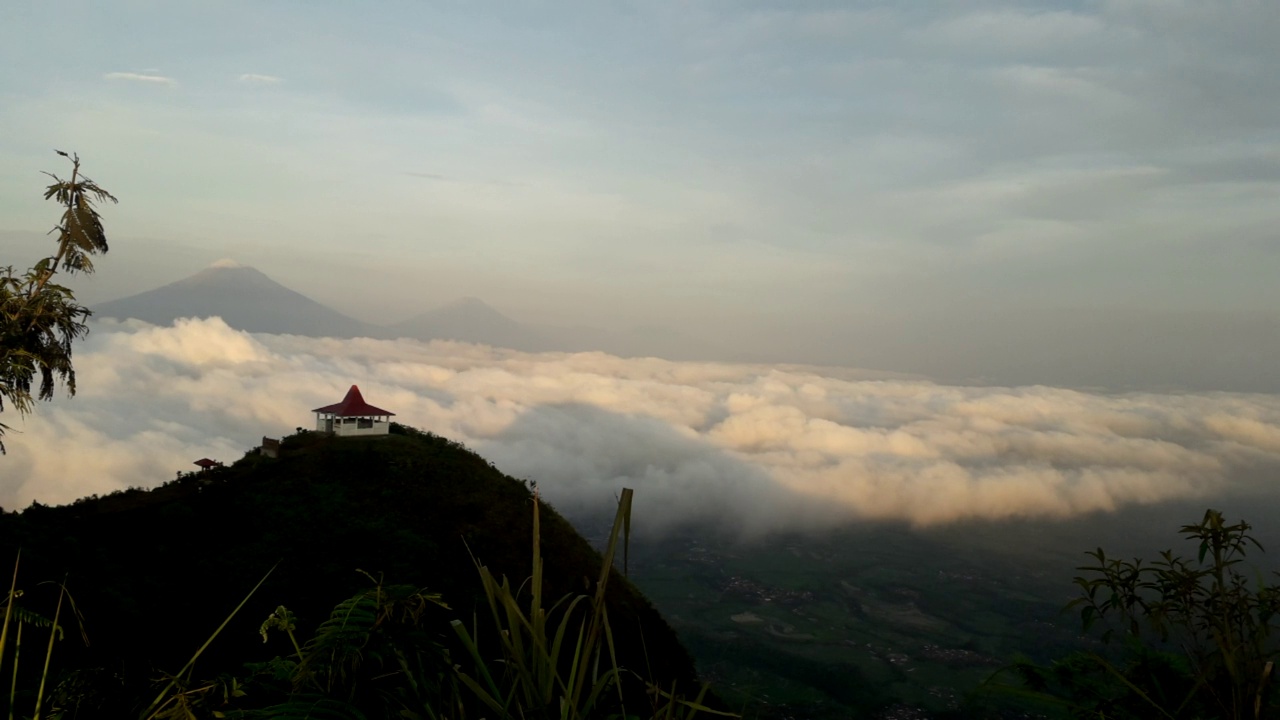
760	447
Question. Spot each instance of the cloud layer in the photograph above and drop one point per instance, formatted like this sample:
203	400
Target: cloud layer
259	79
141	78
758	447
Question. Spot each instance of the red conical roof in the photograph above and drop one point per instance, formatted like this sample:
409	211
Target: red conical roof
353	405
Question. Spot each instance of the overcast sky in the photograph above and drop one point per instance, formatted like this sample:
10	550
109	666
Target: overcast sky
1071	193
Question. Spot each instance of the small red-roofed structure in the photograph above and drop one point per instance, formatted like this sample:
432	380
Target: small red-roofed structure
206	464
353	416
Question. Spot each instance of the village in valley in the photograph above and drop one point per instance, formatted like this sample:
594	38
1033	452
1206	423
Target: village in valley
880	608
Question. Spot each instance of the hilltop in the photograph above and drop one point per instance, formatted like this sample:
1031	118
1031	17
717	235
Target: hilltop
155	571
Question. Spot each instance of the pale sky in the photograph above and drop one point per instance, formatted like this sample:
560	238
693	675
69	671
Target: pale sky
1070	193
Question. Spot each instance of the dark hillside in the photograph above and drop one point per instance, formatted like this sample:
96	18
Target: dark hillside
154	572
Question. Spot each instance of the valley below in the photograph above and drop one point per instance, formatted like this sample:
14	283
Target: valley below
886	621
874	624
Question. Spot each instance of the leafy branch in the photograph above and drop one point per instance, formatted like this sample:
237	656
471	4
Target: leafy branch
1197	633
40	319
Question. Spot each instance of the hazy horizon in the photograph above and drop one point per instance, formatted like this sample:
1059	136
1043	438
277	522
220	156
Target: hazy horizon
1107	350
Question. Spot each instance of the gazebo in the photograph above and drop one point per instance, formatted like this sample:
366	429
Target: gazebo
353	416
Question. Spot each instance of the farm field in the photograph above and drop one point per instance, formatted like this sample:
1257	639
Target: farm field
879	620
859	622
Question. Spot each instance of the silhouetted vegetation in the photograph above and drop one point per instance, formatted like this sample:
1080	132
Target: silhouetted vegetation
1192	637
395	525
40	319
395	586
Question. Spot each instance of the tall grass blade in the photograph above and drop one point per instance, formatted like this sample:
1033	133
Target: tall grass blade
613	659
1136	690
154	708
558	668
488	693
606	567
1262	687
626	537
4	632
48	655
13	686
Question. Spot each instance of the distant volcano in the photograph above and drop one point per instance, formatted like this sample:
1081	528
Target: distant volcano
247	299
243	297
470	319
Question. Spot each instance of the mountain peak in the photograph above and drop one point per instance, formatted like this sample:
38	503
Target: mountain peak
244	297
470	301
470	319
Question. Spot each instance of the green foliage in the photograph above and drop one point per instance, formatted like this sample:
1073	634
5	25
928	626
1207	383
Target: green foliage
40	319
1195	634
179	695
376	651
541	674
80	231
376	655
562	662
380	654
16	618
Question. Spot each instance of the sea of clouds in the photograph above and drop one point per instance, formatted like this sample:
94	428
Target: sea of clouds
753	447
